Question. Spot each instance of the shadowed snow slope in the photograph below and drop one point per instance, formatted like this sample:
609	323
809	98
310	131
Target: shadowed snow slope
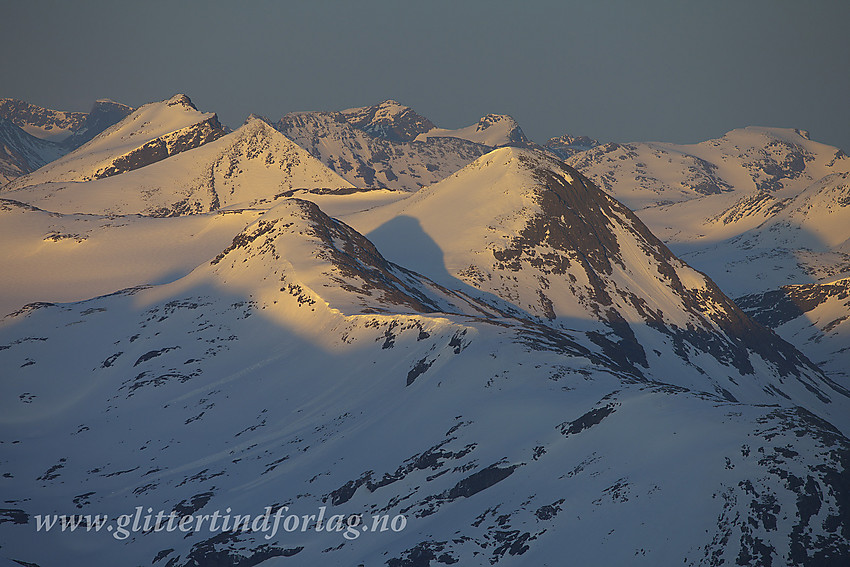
300	368
813	317
21	153
504	365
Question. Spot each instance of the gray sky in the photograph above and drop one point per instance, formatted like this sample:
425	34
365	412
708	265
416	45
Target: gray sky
674	71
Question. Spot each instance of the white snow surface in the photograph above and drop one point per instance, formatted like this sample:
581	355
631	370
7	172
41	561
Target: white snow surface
249	167
150	122
467	355
492	130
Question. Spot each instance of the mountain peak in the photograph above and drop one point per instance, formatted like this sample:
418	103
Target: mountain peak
44	123
567	145
257	117
181	100
388	119
494	130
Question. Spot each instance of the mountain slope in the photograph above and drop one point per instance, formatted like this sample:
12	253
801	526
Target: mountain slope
103	114
274	383
87	255
151	133
566	146
536	239
813	317
389	119
804	239
366	160
248	167
40	122
21	153
743	163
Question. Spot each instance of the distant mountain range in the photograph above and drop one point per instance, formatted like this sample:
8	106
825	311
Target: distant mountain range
361	312
33	136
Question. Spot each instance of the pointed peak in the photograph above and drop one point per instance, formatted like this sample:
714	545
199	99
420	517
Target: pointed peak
181	100
257	118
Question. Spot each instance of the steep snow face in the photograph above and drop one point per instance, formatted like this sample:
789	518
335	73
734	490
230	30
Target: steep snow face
371	161
21	153
390	120
43	123
258	380
813	317
537	240
494	130
250	167
151	133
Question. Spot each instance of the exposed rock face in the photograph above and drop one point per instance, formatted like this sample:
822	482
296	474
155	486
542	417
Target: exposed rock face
541	242
775	308
33	136
54	125
299	231
366	160
252	167
147	135
813	317
493	130
389	120
618	168
500	367
104	113
567	145
514	135
21	153
164	146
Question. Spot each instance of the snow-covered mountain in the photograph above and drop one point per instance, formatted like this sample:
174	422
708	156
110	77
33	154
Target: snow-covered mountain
21	153
276	369
32	136
253	165
368	160
388	119
755	209
714	189
804	238
103	114
494	130
566	145
760	210
813	317
532	237
151	133
40	122
507	364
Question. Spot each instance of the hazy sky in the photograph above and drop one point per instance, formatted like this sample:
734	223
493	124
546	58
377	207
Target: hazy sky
675	71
